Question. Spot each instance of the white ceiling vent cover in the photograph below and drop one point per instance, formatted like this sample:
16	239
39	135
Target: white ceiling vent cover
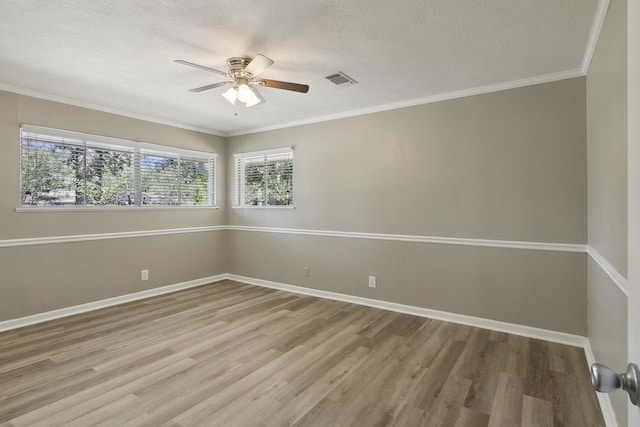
341	78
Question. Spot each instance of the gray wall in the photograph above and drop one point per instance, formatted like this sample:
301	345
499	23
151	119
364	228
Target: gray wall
40	278
509	165
607	192
536	288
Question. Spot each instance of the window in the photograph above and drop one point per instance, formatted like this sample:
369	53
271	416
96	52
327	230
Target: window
264	178
61	168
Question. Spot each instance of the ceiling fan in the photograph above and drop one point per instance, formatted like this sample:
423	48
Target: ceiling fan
243	72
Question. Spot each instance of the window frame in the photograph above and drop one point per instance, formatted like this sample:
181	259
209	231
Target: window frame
138	149
240	163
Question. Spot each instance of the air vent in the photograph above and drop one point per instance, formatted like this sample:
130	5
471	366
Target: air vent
341	78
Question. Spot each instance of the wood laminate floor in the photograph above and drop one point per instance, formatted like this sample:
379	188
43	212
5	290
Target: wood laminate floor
231	354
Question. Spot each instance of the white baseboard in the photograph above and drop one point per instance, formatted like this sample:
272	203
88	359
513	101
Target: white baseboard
83	308
494	325
526	331
603	398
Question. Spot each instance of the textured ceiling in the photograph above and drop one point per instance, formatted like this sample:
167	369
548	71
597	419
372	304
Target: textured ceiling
117	55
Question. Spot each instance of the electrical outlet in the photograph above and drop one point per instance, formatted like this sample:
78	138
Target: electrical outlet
144	275
372	281
306	272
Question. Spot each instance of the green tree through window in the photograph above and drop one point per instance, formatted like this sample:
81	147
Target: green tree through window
61	171
264	179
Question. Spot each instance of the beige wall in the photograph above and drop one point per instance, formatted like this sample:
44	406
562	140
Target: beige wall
509	165
607	193
17	109
541	289
40	278
607	140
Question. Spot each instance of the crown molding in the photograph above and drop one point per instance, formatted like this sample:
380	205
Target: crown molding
77	103
530	81
546	78
594	35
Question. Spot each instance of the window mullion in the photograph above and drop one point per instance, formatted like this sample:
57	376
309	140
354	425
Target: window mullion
137	180
84	174
179	181
243	180
265	179
211	183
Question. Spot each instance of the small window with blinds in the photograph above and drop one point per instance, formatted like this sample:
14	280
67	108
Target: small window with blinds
264	178
69	169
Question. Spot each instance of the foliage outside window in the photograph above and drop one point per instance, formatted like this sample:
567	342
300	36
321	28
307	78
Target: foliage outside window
264	178
68	169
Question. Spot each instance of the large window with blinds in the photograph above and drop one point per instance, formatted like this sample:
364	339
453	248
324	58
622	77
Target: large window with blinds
69	169
264	178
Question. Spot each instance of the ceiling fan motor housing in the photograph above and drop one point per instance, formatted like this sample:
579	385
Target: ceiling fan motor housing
237	65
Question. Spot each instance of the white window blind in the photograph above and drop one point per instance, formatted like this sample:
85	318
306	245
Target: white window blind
62	168
264	178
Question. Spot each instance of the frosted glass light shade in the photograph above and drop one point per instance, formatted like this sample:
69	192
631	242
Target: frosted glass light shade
245	93
231	95
253	101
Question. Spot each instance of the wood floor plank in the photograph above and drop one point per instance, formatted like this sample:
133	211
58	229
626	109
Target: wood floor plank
507	404
536	412
448	406
471	418
233	354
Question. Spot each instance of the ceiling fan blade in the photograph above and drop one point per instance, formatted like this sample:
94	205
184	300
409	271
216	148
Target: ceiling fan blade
258	65
211	86
296	87
202	67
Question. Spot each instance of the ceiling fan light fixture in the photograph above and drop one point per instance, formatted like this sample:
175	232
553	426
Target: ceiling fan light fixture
231	95
245	94
242	74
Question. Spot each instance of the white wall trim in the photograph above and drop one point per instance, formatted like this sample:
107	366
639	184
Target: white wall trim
611	271
603	398
510	244
83	308
104	236
546	78
596	27
494	325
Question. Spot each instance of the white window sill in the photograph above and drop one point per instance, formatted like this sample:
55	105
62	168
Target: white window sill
110	208
253	207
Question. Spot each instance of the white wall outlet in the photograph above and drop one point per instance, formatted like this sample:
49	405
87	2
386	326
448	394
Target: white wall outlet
144	275
372	281
306	272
